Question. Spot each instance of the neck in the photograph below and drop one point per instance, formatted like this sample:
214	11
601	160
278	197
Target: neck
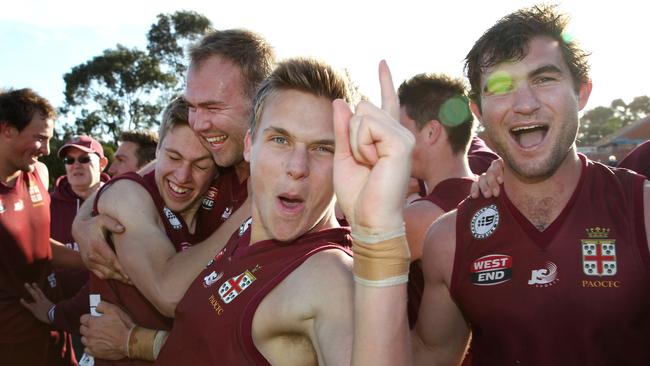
541	201
189	216
242	170
451	166
84	193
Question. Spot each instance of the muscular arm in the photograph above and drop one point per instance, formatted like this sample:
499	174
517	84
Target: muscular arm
441	333
418	216
147	254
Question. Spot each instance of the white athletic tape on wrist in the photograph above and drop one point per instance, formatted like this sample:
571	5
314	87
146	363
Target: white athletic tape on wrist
381	264
376	238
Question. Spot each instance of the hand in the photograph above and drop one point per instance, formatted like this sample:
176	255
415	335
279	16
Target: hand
372	161
41	304
488	183
90	234
106	336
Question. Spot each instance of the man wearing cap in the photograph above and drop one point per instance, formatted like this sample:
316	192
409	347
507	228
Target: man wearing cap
84	161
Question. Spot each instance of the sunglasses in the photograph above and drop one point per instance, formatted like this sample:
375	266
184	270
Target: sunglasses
69	160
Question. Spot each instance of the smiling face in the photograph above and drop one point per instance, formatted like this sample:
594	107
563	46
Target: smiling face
184	169
291	161
219	108
29	144
530	110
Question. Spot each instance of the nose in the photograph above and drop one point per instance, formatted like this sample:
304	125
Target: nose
183	173
525	101
45	148
298	165
113	168
198	120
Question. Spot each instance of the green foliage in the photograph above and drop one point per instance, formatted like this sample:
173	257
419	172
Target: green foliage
126	88
602	121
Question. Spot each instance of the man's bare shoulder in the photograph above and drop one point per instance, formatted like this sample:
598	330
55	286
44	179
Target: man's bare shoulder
125	199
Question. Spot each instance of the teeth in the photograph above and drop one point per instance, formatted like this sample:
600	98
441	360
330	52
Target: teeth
177	189
215	139
526	128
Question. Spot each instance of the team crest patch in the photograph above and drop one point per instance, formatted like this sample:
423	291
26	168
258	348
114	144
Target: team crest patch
210	197
485	222
598	253
230	289
173	220
35	194
491	269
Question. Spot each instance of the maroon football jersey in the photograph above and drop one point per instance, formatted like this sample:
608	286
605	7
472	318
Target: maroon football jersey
446	195
225	196
638	159
213	323
576	293
25	255
128	297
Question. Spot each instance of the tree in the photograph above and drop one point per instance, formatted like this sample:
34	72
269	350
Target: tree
126	88
602	121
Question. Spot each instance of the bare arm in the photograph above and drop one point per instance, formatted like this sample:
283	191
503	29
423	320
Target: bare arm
64	257
147	254
372	159
418	217
441	333
90	233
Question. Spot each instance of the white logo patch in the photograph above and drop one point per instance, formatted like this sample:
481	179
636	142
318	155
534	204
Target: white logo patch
245	226
544	277
210	279
484	222
173	220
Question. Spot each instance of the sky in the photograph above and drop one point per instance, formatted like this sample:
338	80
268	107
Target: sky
42	40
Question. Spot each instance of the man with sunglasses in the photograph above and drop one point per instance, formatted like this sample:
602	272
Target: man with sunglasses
84	161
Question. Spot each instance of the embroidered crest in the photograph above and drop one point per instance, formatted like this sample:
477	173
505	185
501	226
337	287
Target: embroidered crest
598	253
35	193
485	222
173	220
230	289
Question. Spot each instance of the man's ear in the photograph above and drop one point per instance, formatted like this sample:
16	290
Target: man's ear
476	110
432	131
583	94
102	163
248	146
7	130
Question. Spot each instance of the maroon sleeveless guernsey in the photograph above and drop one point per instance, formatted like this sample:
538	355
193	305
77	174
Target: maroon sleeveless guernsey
213	323
446	195
577	293
225	196
128	297
25	255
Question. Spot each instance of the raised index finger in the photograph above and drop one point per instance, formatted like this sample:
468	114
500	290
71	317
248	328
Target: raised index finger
389	101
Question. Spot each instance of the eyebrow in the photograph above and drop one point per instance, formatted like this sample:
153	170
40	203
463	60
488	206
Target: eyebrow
282	131
544	69
174	151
